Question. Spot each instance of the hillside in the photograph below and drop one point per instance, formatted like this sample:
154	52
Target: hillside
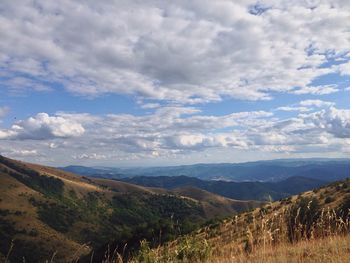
311	227
215	204
264	171
49	212
264	191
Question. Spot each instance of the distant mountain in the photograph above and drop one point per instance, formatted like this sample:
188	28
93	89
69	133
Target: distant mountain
50	213
237	190
92	171
264	171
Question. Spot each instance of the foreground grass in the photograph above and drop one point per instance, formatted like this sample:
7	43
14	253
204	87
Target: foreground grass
305	228
335	249
331	249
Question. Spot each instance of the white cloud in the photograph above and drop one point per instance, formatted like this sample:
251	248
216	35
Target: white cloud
293	108
150	105
184	51
334	121
168	56
318	90
24	153
167	131
306	106
176	131
316	103
94	156
42	127
345	68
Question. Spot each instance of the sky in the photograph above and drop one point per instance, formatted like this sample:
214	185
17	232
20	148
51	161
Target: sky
154	83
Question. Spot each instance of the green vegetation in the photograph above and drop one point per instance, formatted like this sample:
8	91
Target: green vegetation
301	218
121	222
47	185
59	217
189	248
136	217
299	228
32	252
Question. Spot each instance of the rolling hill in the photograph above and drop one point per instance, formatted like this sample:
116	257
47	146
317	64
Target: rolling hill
310	227
48	213
265	171
264	191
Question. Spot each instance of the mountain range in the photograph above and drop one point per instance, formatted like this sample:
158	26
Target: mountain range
264	171
264	191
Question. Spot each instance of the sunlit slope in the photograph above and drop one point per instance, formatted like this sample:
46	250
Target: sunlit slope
311	227
49	212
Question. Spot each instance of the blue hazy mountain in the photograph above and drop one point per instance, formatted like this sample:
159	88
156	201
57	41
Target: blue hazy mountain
263	191
263	171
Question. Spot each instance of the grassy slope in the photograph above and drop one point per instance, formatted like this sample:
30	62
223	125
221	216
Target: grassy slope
23	216
46	218
213	204
332	249
262	235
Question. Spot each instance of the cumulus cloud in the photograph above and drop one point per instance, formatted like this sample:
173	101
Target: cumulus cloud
189	52
165	132
42	127
169	57
176	131
334	121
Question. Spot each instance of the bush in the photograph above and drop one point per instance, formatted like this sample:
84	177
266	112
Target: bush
192	249
301	218
59	217
328	200
344	209
146	254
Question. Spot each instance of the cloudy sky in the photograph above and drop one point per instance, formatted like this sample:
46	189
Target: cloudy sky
132	82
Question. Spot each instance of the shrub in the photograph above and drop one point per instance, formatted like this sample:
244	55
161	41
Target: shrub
301	218
57	216
328	200
344	209
192	249
146	254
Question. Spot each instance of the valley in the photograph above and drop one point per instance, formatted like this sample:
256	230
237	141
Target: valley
47	213
48	210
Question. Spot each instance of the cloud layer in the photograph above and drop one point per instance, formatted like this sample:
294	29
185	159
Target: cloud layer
172	58
184	51
170	132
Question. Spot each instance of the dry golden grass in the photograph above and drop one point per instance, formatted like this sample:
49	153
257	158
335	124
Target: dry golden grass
14	198
265	234
330	249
